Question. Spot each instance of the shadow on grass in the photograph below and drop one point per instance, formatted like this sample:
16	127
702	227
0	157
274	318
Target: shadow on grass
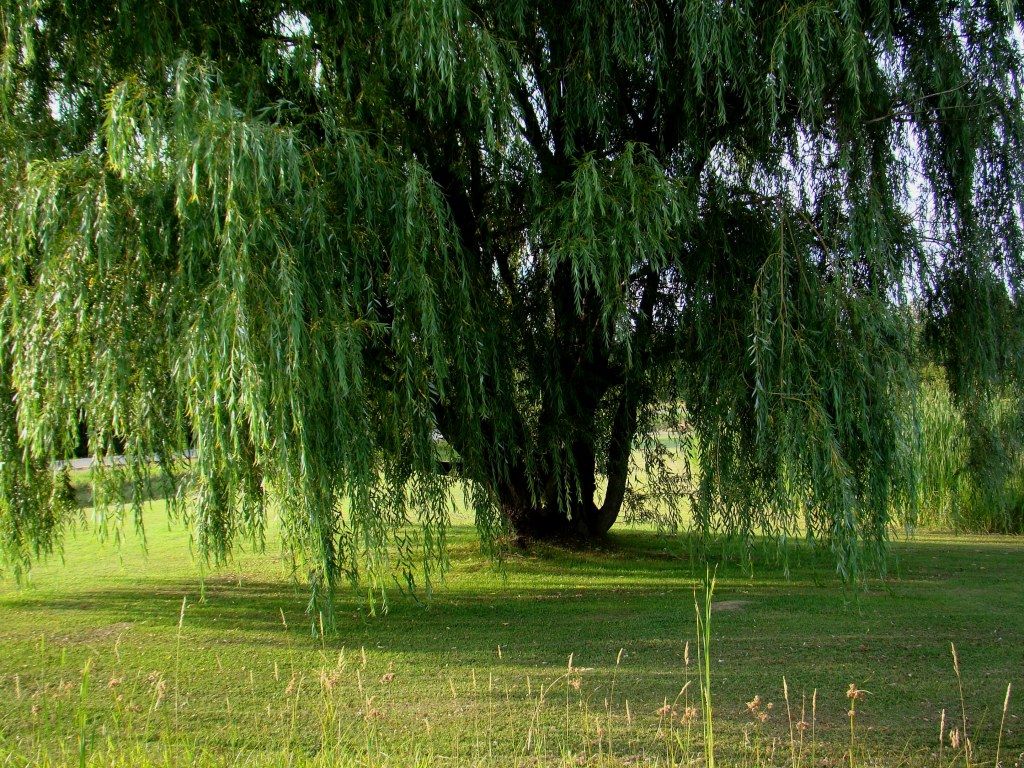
640	591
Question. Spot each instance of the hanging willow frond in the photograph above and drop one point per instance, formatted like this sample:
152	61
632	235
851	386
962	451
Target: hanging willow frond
363	256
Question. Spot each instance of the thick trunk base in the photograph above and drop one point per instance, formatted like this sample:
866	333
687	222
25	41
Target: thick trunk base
585	526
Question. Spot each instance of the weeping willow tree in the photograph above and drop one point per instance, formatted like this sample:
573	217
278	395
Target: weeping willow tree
363	255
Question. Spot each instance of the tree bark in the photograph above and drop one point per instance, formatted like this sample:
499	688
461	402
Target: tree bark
623	431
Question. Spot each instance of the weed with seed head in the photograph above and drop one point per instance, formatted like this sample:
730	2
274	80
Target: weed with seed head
963	707
703	611
854	694
1002	724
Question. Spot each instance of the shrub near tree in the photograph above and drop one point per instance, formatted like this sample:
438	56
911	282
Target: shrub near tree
313	237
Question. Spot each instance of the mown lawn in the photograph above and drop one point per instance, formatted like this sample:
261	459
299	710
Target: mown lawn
456	680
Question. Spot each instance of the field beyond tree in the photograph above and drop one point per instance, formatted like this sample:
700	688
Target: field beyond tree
239	677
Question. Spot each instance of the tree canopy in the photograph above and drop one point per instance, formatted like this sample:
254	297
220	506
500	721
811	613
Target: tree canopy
364	255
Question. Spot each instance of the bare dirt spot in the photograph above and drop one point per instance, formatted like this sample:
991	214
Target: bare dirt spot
724	606
94	634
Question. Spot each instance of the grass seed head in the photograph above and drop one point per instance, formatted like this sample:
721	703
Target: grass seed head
292	683
329	679
759	709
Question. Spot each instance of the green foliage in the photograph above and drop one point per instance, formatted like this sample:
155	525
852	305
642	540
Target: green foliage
972	479
306	238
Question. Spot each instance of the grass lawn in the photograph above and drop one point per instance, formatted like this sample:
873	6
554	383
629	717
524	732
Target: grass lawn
242	680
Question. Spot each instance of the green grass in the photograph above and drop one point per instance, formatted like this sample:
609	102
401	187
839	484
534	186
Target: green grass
242	680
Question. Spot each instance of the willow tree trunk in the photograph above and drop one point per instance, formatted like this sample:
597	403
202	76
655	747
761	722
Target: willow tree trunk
561	505
567	511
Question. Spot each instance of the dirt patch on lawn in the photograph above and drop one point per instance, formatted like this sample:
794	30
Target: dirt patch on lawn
725	606
94	634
